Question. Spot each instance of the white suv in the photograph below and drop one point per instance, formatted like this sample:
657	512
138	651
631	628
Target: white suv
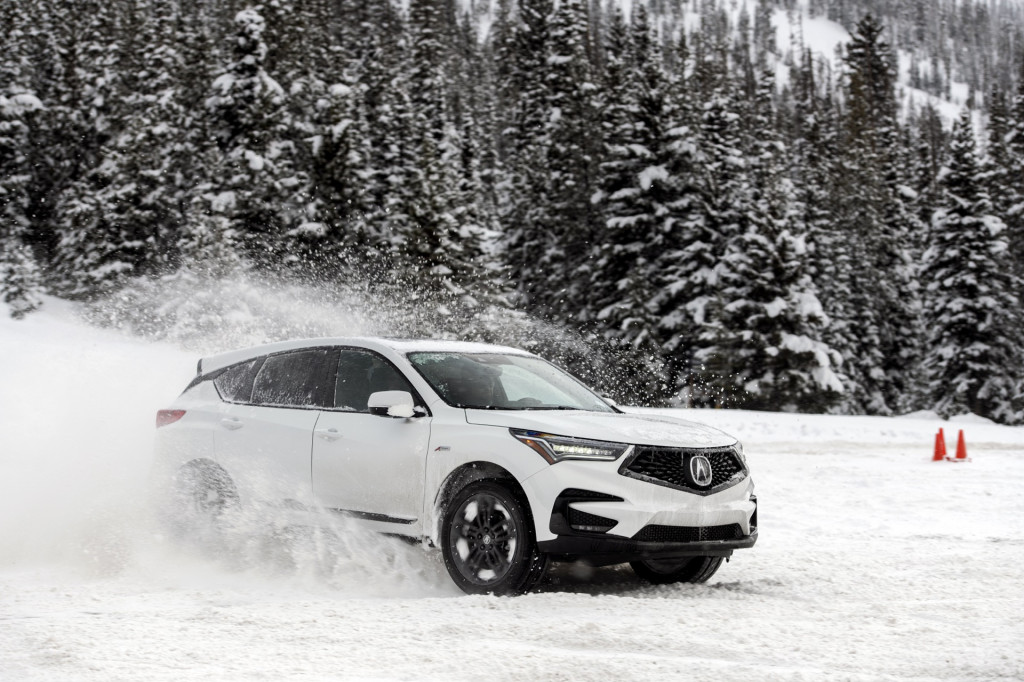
492	454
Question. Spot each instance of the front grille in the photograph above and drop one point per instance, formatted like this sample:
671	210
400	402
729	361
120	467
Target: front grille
671	467
689	533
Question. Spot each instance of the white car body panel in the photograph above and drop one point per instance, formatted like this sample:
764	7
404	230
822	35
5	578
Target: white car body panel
266	450
191	438
454	443
620	428
371	465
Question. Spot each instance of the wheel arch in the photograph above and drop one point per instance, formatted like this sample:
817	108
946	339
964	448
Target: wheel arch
203	464
464	475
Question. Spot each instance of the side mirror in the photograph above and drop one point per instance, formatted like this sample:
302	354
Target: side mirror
391	404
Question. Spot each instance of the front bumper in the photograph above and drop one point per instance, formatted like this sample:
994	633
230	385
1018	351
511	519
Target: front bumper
582	535
593	513
623	507
608	550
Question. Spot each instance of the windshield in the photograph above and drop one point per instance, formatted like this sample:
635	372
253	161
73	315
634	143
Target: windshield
493	381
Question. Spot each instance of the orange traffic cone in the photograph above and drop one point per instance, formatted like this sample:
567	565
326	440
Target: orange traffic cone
940	447
961	448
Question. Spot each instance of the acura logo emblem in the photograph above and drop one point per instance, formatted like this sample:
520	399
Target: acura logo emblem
700	470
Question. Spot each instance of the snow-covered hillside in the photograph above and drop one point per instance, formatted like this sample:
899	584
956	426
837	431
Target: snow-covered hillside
873	563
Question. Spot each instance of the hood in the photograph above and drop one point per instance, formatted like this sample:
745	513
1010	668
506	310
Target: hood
639	429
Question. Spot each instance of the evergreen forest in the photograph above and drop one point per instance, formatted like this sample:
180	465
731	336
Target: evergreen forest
724	217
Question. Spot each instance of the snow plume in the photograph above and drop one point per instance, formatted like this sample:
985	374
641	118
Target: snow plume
207	315
322	554
76	427
76	437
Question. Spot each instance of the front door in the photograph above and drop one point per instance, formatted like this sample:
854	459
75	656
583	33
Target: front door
367	466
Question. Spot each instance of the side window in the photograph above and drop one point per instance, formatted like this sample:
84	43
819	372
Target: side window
352	389
384	377
235	383
361	373
299	379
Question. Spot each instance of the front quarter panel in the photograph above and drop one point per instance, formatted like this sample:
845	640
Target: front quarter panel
455	444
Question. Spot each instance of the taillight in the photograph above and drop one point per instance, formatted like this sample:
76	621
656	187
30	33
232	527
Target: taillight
165	417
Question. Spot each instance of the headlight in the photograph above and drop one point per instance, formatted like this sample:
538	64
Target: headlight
556	448
738	449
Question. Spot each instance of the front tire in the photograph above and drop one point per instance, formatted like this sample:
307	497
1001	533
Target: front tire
696	569
487	540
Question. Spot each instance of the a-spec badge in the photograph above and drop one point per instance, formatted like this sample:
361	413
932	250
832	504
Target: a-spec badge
700	470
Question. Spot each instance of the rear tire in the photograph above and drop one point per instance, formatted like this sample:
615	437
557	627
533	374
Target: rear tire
488	542
201	495
667	571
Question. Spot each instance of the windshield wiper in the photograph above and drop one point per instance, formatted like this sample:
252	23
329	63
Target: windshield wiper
553	407
511	408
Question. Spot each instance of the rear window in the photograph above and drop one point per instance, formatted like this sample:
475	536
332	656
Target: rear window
299	379
235	383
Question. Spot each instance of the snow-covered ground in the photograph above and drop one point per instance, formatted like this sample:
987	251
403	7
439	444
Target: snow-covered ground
873	562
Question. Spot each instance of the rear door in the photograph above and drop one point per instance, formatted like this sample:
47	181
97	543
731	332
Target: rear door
368	466
264	436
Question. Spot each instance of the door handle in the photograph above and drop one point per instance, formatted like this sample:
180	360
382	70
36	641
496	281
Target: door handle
328	434
231	423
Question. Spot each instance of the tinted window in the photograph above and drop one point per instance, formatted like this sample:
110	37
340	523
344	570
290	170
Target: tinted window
300	379
360	374
235	383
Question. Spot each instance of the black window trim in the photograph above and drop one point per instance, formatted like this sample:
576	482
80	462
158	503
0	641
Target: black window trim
417	399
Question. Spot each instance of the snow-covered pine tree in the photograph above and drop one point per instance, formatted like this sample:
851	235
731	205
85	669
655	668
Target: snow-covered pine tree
573	136
92	253
207	242
637	193
691	79
618	112
874	223
318	122
19	277
523	71
998	156
247	120
768	327
146	167
1002	168
930	142
816	166
434	241
339	173
473	117
382	94
722	208
1012	196
974	358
